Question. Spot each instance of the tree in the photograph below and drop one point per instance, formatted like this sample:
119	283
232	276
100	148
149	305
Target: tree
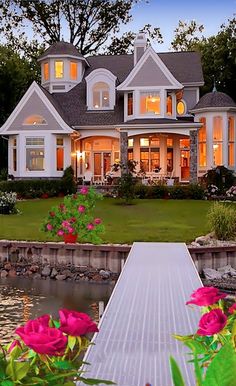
90	23
218	54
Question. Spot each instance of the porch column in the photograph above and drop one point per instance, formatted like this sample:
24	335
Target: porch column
124	147
193	156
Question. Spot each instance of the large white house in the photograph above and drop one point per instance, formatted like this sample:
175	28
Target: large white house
93	112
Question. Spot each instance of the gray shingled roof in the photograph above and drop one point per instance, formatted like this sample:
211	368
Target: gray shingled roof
185	67
214	99
61	48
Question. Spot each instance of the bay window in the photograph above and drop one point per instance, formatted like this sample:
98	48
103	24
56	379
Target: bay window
60	153
35	154
202	142
150	103
231	141
217	140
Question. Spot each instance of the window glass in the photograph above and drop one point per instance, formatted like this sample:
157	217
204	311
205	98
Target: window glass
59	69
231	154
35	153
231	139
130	103
46	71
202	143
155	159
60	141
217	129
144	141
34	141
169	104
130	142
101	95
169	142
73	70
169	159
14	154
155	141
184	143
35	120
150	103
231	134
181	108
130	154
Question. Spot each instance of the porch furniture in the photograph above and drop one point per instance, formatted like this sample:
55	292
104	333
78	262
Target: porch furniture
87	178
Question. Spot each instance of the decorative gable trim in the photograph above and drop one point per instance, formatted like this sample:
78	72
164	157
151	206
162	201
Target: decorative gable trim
149	53
34	88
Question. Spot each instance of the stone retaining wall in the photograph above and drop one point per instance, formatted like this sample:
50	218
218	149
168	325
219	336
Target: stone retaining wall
106	257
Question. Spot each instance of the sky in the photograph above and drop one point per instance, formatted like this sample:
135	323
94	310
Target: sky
166	14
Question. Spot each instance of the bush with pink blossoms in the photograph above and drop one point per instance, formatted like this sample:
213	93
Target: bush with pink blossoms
75	216
213	346
48	352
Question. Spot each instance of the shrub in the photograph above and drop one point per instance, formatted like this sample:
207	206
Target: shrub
32	188
8	202
68	181
231	193
221	177
126	183
222	221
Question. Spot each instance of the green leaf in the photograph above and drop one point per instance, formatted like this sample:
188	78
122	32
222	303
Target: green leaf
234	334
196	347
183	338
176	373
197	371
63	365
21	370
71	342
7	383
92	381
222	370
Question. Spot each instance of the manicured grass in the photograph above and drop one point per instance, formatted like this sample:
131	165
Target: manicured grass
146	220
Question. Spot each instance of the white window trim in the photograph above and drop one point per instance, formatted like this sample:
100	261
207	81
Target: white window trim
43	147
185	108
96	76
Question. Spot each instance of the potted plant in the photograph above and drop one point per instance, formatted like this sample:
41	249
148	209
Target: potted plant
74	218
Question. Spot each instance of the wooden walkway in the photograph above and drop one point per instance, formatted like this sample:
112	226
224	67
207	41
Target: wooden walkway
147	306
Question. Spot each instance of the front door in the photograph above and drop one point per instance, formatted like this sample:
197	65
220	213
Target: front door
102	165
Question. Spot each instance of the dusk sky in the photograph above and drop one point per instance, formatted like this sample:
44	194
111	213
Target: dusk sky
166	14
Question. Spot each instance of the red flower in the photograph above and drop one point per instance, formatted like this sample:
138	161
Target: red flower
52	214
212	322
232	309
97	221
90	227
76	323
84	190
206	296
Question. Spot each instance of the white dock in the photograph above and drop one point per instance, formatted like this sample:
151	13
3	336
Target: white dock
147	306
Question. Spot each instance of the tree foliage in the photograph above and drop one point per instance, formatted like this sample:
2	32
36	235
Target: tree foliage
187	35
89	23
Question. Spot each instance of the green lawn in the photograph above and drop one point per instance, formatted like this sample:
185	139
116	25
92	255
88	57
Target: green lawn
147	220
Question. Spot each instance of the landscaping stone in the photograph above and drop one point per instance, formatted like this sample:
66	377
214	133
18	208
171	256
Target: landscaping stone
104	274
227	270
4	273
12	273
54	273
46	271
61	277
212	274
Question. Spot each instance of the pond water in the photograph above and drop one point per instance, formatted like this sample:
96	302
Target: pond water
24	299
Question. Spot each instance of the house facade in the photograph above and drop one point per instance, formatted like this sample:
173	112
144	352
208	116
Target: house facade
96	111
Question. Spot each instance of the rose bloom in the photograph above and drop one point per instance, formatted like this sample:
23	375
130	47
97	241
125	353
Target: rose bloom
84	190
97	221
212	322
90	227
70	230
52	214
15	343
206	296
81	208
232	309
60	232
76	323
65	224
49	227
37	335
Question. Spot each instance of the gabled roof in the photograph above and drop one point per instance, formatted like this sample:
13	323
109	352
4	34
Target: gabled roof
214	99
61	48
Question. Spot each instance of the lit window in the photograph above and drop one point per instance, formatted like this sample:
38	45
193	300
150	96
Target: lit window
150	103
154	141
101	97
181	107
169	142
46	71
184	143
217	140
130	154
73	71
60	154
130	142
35	120
35	153
59	69
144	141
14	154
202	143
130	103
169	104
231	140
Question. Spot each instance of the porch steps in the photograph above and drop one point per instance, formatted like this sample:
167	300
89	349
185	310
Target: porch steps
147	306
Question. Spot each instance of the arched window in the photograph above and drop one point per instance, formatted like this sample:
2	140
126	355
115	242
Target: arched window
101	95
181	107
35	120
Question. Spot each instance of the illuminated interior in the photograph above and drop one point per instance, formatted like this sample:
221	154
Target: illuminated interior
180	108
130	103
101	97
73	71
202	143
217	140
59	69
60	154
46	71
150	103
231	141
35	120
169	105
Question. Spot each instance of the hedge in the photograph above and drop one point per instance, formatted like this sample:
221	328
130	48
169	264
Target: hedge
179	192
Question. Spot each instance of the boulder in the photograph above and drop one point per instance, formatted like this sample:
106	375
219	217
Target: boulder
12	273
61	277
212	274
54	272
104	274
227	270
46	271
4	273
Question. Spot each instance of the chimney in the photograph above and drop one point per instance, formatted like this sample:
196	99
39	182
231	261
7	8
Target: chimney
140	44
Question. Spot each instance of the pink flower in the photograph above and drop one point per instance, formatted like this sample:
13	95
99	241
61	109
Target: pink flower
60	232
52	214
70	230
76	323
49	227
81	208
15	343
84	190
90	227
73	219
65	224
206	296
97	221
232	309
212	322
41	338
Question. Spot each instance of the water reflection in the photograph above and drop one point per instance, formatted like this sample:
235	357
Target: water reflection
24	299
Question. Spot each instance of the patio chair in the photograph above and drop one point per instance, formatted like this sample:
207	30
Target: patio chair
87	180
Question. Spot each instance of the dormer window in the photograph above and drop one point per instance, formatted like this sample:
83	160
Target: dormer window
73	70
150	103
59	69
46	71
101	97
35	120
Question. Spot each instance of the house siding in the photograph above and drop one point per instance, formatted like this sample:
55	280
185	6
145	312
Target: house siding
149	75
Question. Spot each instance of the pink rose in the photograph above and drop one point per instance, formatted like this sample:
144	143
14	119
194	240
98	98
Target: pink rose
60	232
70	230
76	323
97	221
206	296
42	339
212	322
65	224
81	208
84	190
90	227
15	343
49	227
232	309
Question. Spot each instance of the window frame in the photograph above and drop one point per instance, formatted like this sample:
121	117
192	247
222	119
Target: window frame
101	97
150	94
34	147
63	69
185	108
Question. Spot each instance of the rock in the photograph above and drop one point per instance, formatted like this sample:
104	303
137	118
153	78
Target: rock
7	266
34	268
54	272
227	270
194	244
82	268
12	273
37	276
203	240
4	273
212	274
67	273
61	277
46	271
104	274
